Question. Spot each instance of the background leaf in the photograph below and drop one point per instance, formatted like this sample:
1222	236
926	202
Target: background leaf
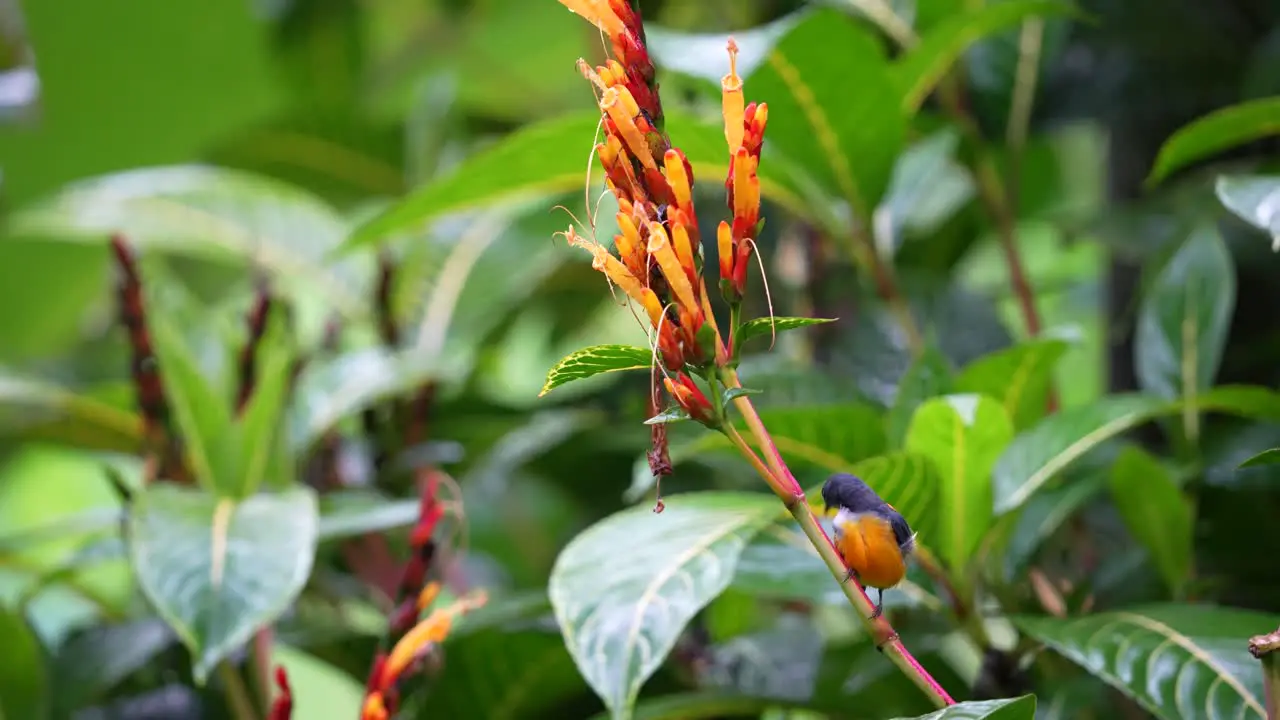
1155	512
201	563
928	376
1185	316
1018	377
963	435
1215	132
620	619
24	680
1019	708
1176	661
762	326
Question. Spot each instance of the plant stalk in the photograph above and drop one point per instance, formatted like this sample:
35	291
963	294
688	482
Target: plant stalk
1267	649
237	694
776	473
260	662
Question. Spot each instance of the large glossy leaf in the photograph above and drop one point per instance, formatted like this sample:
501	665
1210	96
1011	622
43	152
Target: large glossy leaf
1185	316
620	619
1217	131
592	361
831	107
547	158
928	376
1019	708
1019	377
1254	199
24	681
1155	512
1176	661
208	212
963	435
216	569
919	70
1039	453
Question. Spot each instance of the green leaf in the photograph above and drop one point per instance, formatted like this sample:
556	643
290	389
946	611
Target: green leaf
347	513
207	212
920	68
1044	513
1266	457
1184	319
767	326
1254	199
1176	661
1217	131
24	681
963	435
831	437
1155	512
31	405
621	619
93	662
550	157
595	360
319	688
831	101
1019	377
215	569
203	415
260	428
928	376
510	670
1019	708
927	188
1037	454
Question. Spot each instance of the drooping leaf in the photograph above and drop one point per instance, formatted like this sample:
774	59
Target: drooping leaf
1019	708
1019	377
1186	313
1217	131
24	680
920	68
831	103
346	513
547	158
31	405
1254	199
763	326
1176	661
963	435
216	569
1266	457
928	376
1247	401
1155	512
595	360
209	212
620	619
1040	452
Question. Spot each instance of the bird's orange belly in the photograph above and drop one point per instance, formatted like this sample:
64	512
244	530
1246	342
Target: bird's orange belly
869	547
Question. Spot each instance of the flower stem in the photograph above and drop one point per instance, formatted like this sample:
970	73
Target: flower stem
776	473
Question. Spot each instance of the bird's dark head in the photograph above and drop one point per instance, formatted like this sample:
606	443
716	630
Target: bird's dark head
847	491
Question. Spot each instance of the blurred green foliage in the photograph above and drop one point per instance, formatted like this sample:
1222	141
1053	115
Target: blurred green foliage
1096	496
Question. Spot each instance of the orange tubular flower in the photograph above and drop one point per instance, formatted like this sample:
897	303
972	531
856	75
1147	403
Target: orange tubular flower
692	399
744	133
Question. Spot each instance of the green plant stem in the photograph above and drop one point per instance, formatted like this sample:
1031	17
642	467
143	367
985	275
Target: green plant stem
236	692
776	473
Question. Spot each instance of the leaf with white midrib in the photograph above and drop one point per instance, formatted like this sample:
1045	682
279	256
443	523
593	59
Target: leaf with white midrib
217	569
623	590
1166	657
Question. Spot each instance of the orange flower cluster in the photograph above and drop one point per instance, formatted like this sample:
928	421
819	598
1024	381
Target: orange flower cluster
659	250
381	695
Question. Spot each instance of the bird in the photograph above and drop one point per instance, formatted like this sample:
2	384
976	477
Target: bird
873	538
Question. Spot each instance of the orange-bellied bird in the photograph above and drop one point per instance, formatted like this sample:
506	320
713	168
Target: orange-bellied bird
873	539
